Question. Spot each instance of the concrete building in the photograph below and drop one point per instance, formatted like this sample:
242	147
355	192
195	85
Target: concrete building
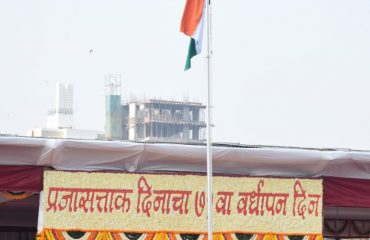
163	120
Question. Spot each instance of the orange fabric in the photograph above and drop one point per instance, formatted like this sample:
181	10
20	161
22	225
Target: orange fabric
172	236
10	196
149	236
191	17
59	235
228	236
281	237
49	234
93	236
260	236
116	236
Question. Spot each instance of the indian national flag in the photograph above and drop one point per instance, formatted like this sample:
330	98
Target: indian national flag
192	23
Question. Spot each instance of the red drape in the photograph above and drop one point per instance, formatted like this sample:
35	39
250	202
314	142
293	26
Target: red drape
346	192
21	178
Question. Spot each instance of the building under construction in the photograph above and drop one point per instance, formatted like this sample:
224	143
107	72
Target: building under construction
151	120
162	120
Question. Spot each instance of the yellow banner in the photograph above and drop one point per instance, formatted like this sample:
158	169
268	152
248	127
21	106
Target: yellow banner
177	203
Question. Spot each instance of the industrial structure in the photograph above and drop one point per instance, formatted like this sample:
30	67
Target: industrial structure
113	115
163	120
62	115
60	119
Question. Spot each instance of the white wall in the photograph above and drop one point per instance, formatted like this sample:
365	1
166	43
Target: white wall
63	133
81	134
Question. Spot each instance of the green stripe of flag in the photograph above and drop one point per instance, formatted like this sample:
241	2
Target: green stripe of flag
192	51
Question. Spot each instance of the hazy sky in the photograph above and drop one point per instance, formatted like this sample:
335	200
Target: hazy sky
286	72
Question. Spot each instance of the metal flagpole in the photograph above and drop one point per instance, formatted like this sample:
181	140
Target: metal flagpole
209	118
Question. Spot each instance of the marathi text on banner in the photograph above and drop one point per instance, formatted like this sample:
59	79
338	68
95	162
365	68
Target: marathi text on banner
177	203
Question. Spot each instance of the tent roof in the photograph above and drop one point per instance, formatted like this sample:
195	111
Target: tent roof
85	155
344	197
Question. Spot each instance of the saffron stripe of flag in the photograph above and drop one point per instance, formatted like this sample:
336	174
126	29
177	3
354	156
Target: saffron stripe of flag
192	24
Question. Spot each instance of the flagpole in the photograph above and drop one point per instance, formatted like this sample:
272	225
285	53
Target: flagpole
209	121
